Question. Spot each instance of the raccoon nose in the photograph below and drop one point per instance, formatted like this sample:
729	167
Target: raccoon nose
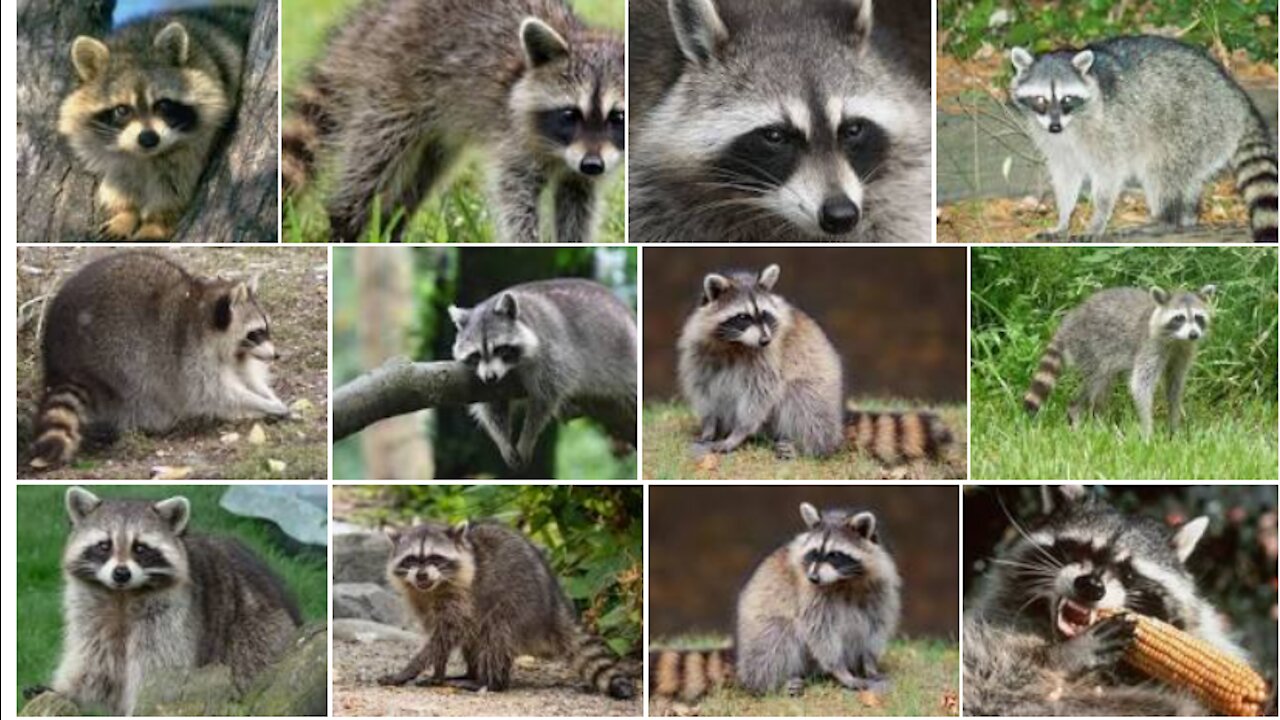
1089	587
1194	334
592	165
838	215
1055	127
121	575
148	139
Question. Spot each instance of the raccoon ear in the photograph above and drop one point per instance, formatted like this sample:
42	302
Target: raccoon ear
459	316
810	515
393	533
861	20
459	533
175	511
80	503
699	30
542	44
1159	294
222	312
713	286
864	523
172	44
90	57
1083	61
1207	291
1021	59
1188	536
506	306
1054	497
768	277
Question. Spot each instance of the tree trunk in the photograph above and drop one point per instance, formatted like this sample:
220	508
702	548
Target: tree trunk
239	199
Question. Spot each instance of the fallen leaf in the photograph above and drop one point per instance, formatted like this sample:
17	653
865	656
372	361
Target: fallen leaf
257	435
950	703
230	438
871	699
277	466
709	462
301	406
170	472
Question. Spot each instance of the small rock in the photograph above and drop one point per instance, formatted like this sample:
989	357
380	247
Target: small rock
230	438
368	631
301	406
167	472
50	704
276	466
366	601
257	435
360	557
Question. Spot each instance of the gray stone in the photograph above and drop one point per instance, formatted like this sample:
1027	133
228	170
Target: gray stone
367	631
50	704
207	690
298	684
366	601
360	557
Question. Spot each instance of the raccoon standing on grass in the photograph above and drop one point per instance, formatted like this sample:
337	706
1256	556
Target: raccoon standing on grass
405	87
143	595
485	590
778	121
828	602
1147	108
134	341
752	364
1032	642
152	102
1145	335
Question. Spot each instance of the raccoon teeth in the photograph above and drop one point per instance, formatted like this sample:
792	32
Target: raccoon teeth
1074	618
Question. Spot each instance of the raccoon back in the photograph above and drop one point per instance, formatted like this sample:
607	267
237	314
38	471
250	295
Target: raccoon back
1107	328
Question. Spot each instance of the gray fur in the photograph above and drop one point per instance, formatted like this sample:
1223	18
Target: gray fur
1154	110
1016	659
576	346
710	73
209	600
485	590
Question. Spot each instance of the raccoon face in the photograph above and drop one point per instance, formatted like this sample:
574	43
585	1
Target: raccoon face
125	545
1181	316
1053	88
575	94
837	546
1087	556
140	101
741	308
492	340
431	556
241	324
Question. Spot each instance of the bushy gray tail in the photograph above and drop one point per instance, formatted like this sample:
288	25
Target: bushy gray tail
898	437
307	122
1044	379
686	675
599	666
1254	164
59	424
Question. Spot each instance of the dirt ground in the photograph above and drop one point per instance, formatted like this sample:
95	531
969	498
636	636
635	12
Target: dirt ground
293	290
539	688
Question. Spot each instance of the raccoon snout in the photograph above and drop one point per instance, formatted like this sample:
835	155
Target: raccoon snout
591	165
148	139
1055	127
838	215
121	575
1089	587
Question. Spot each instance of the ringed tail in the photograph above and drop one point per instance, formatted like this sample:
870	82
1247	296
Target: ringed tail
307	123
686	675
59	426
1044	379
1254	165
894	438
600	667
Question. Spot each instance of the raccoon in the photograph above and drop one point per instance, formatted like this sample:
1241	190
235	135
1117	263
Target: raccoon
1032	641
786	121
150	109
1145	334
752	364
143	594
487	591
1149	109
525	80
133	341
828	602
570	343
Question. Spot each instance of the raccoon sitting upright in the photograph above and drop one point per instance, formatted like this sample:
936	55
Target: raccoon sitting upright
1033	644
149	111
572	346
406	86
778	121
133	341
144	595
1144	334
485	590
1149	109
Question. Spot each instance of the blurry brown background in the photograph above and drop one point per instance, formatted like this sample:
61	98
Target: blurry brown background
896	315
705	541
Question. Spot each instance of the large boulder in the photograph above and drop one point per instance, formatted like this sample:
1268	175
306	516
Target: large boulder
50	704
360	557
366	601
207	690
298	684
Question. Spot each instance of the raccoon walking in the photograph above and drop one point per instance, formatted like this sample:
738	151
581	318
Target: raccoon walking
572	345
750	363
1146	334
149	111
782	121
1032	641
484	589
1149	109
827	602
133	341
406	86
143	595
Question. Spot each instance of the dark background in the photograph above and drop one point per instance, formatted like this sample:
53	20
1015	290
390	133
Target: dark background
895	315
704	542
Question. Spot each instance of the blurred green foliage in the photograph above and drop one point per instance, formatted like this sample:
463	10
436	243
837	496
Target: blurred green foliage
593	535
1240	24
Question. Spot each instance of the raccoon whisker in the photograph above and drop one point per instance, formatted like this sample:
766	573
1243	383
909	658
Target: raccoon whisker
1024	565
1025	535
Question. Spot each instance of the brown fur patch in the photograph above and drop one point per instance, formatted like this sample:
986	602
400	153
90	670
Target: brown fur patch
886	442
666	674
914	437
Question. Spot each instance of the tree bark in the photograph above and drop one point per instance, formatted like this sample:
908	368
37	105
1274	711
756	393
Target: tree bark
239	198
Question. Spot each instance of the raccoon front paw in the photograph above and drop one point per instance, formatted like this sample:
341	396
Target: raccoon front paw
795	687
153	231
1101	646
875	684
396	679
120	226
785	450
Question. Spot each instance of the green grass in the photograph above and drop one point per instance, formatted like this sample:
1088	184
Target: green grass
669	431
42	529
923	673
458	213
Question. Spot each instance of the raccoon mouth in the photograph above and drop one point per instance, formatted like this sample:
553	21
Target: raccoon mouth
1074	618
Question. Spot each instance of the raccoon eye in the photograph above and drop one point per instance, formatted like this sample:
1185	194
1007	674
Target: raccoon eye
853	130
570	115
472	359
1177	322
121	112
103	546
617	117
773	135
257	337
743	318
507	353
1039	104
1201	321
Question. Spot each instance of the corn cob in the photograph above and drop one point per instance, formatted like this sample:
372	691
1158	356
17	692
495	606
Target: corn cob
1225	684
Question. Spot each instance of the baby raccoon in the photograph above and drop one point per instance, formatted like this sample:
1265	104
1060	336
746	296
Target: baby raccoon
828	602
487	591
1033	644
149	111
144	595
1144	334
572	346
133	341
405	87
